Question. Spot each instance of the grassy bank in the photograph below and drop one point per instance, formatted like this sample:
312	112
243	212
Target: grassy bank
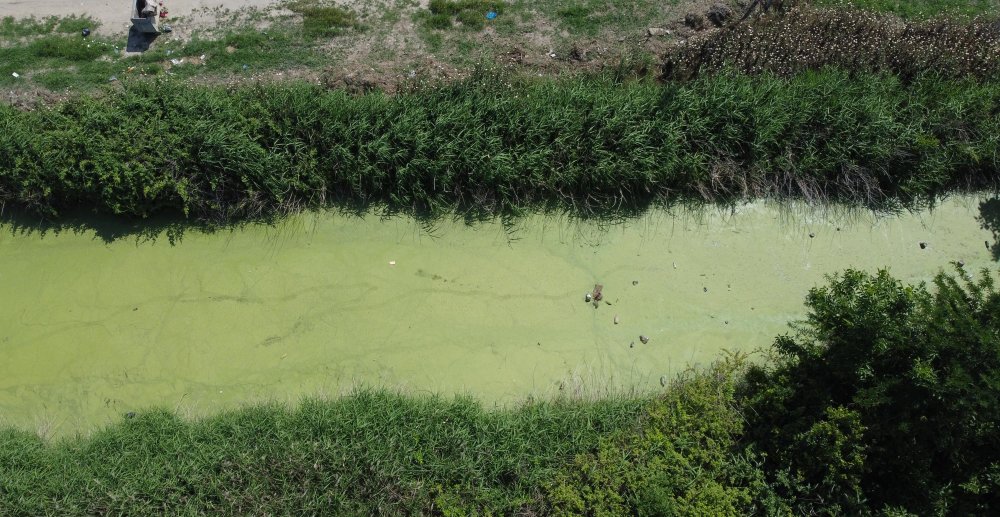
882	401
496	144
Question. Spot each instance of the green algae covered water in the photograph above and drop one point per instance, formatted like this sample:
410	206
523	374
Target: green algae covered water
323	303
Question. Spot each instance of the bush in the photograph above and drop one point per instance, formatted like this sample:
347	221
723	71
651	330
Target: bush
681	460
885	398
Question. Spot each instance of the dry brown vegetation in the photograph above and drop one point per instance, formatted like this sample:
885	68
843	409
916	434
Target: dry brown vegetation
860	41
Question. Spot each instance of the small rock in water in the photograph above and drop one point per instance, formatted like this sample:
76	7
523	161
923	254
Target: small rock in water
961	263
631	345
616	319
635	282
811	235
923	245
644	339
587	298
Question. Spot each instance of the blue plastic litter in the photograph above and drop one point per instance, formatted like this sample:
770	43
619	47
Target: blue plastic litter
491	15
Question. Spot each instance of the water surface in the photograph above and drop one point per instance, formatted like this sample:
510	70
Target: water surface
323	302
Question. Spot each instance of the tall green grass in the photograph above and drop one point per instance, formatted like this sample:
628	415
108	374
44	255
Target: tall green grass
497	144
365	454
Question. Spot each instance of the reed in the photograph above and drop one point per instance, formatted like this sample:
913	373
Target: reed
498	144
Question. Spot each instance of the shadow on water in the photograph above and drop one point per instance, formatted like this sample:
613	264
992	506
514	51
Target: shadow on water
172	225
989	218
108	228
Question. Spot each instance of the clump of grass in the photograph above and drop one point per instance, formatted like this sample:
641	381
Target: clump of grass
11	27
470	14
67	47
860	41
327	21
576	17
74	24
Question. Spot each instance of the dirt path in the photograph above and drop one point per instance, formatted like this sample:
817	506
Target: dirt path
113	14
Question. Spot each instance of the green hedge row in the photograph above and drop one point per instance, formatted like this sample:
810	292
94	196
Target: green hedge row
496	144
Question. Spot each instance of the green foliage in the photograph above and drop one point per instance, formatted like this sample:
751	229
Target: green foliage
324	21
495	144
472	20
442	14
27	27
886	397
368	453
576	17
66	47
681	460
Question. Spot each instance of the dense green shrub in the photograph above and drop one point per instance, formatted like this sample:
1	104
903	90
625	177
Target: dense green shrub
859	41
681	459
496	144
887	397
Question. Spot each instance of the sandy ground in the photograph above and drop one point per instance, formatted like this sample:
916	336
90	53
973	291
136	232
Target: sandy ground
113	14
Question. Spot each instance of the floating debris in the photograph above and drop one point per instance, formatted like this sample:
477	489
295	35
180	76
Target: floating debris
704	289
635	282
587	297
631	345
923	245
663	381
130	414
617	320
644	339
811	235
